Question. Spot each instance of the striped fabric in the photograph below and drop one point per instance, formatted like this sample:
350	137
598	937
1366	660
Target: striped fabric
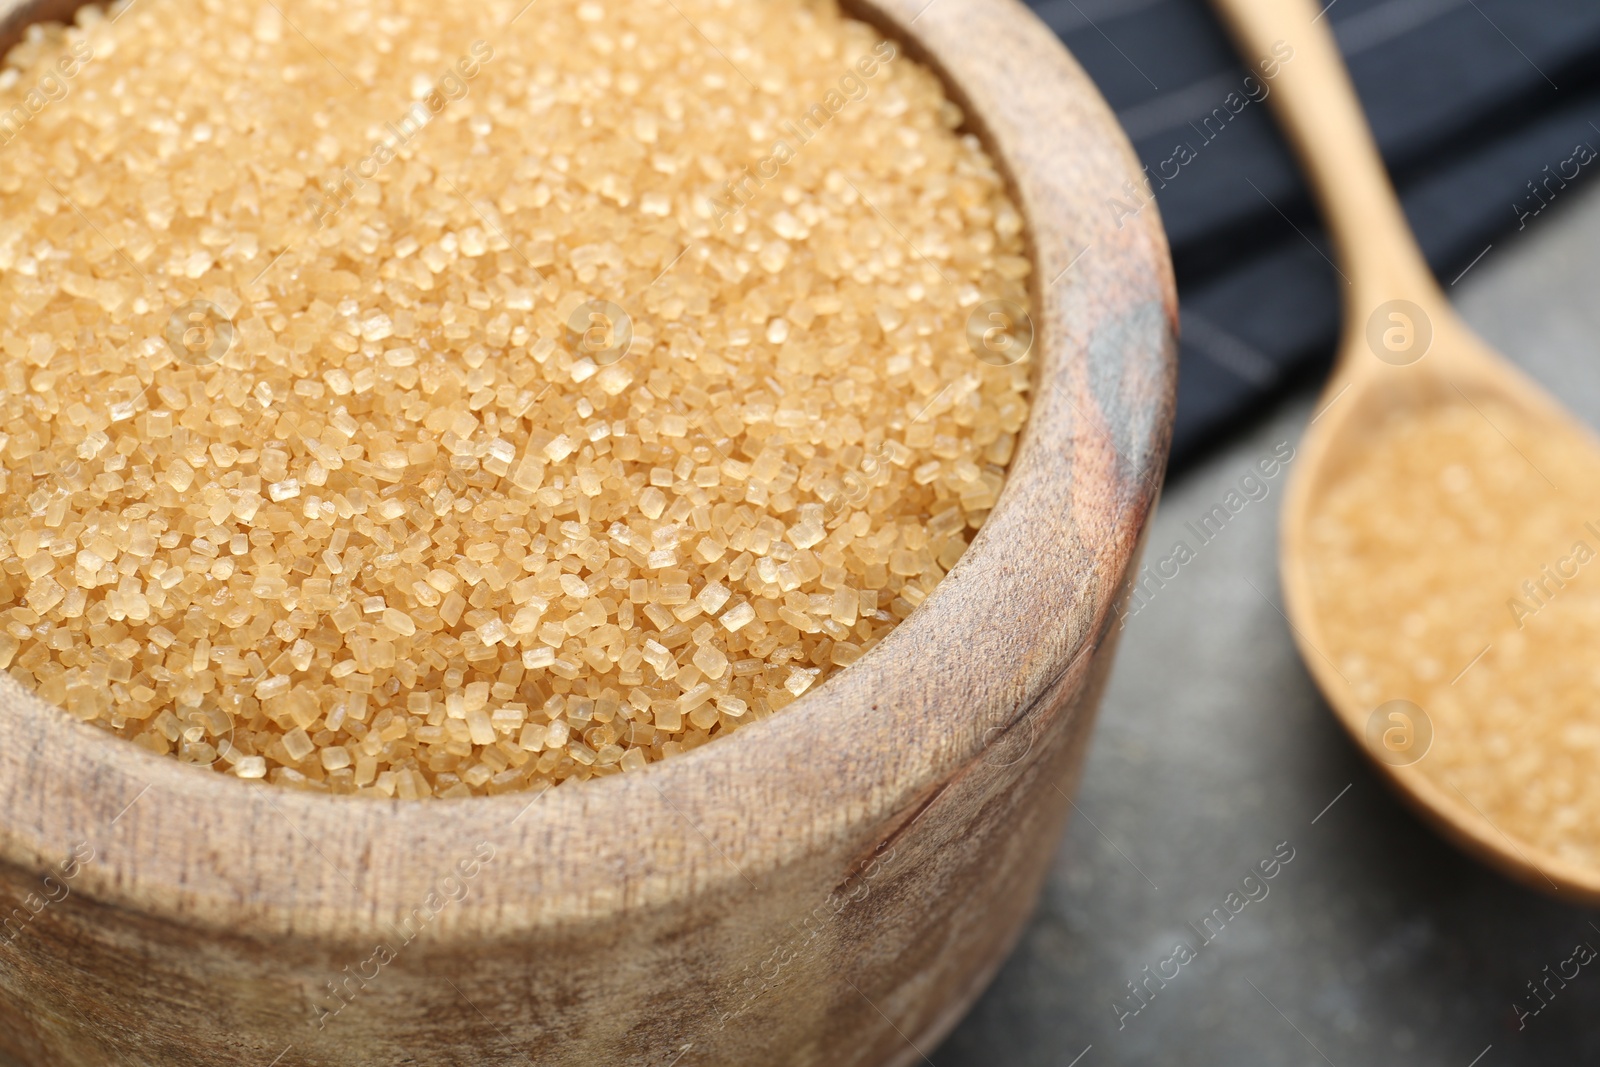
1487	111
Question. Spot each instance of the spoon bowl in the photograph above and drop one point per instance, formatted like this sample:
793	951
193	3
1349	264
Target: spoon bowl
1464	372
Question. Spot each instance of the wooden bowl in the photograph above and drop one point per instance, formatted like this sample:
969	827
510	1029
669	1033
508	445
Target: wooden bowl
833	886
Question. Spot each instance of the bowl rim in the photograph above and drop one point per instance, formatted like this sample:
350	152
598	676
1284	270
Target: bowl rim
1026	606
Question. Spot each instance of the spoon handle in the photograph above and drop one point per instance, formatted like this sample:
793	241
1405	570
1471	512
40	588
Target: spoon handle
1317	106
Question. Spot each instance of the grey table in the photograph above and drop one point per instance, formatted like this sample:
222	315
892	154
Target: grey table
1377	943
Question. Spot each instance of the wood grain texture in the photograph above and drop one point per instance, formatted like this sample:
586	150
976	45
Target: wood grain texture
1317	105
831	886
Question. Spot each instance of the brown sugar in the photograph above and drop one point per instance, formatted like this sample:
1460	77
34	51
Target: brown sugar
1455	569
426	399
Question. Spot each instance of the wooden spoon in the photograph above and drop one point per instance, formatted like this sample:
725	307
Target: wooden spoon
1404	348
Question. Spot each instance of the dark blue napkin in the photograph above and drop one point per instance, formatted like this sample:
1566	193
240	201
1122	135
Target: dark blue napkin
1479	106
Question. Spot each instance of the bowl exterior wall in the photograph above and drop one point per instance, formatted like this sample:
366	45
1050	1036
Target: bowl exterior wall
857	959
